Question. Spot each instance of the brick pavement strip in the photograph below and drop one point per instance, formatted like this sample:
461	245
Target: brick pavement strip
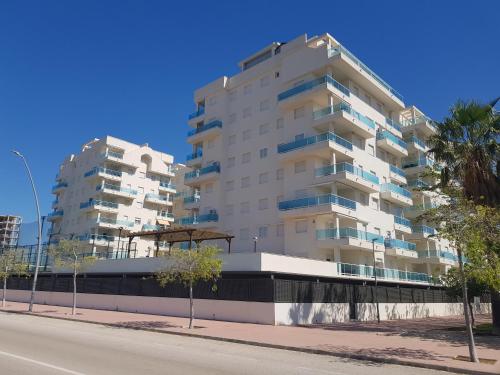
422	343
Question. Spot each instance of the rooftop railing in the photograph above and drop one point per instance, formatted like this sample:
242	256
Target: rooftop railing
325	80
199	172
335	233
317	201
391	137
346	167
303	142
395	189
205	127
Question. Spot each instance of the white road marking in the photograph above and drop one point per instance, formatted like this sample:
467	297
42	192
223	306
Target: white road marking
44	364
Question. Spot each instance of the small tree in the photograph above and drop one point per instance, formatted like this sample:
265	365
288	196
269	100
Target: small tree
10	265
70	254
189	267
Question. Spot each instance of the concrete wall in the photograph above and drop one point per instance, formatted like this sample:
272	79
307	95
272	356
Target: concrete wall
310	313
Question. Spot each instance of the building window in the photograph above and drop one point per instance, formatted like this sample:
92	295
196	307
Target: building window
231	161
263	204
263	178
244	207
299	112
301	226
279	174
247	134
245	182
280	123
229	185
247	112
280	230
263	129
263	153
264	81
262	232
264	105
375	205
232	139
300	166
246	157
371	150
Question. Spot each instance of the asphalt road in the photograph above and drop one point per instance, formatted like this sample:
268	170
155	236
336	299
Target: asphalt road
35	345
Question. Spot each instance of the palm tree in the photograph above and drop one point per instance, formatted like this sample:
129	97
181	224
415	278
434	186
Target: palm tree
467	144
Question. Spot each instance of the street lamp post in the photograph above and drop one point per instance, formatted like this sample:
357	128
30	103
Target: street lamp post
375	276
39	234
255	239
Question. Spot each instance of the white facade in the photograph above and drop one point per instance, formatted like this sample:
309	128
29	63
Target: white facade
9	230
302	153
112	187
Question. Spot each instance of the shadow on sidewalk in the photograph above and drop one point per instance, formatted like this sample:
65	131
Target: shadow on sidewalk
149	325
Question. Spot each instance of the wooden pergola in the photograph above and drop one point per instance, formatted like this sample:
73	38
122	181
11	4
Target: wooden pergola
179	234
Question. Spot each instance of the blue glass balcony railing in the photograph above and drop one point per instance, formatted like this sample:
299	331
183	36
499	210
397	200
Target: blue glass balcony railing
116	188
420	162
107	171
333	233
395	189
59	185
345	108
203	128
400	244
317	201
439	254
402	221
391	137
158	197
195	155
164	215
200	111
416	141
420	207
212	217
424	229
150	227
393	124
361	270
397	170
325	80
191	199
417	183
346	167
123	223
98	202
167	185
300	143
199	172
56	213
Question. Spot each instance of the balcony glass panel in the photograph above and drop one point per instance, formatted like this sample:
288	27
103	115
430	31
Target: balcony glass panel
312	84
395	243
391	137
395	189
99	202
331	233
316	201
200	111
423	229
116	188
111	172
393	124
420	162
202	171
195	155
300	143
397	170
203	128
382	273
124	223
198	219
402	221
345	108
346	167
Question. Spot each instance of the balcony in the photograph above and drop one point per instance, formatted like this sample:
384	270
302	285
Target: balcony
397	175
97	239
199	112
195	158
167	216
346	59
416	144
167	187
437	256
349	238
116	190
201	219
366	272
402	224
392	144
59	187
414	166
418	209
422	232
55	202
117	157
206	131
158	199
394	127
400	248
396	194
315	89
114	223
322	204
99	205
55	215
202	175
422	124
349	175
191	201
319	145
345	119
106	173
150	227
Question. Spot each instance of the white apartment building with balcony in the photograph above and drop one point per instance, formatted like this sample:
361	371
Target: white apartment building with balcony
9	230
111	188
307	152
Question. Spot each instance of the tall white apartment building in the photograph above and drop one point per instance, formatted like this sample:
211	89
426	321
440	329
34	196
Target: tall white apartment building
307	152
9	230
110	189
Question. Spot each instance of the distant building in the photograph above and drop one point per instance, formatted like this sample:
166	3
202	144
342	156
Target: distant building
9	230
110	189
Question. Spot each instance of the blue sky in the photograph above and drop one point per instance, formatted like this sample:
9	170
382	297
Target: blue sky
74	70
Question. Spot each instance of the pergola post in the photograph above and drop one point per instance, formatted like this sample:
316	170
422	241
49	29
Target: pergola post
229	244
158	237
130	239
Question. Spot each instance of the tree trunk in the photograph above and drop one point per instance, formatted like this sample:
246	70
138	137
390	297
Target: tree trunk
465	300
495	311
4	291
73	310
473	320
191	305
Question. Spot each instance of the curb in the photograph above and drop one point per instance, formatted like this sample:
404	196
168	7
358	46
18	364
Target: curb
358	357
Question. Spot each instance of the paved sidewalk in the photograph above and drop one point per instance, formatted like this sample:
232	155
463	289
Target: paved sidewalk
423	342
